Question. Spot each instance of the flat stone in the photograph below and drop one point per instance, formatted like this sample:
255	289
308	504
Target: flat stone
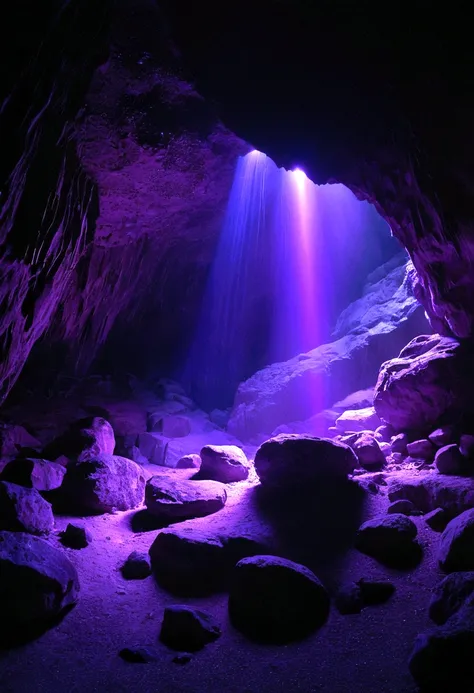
431	490
358	420
178	499
24	510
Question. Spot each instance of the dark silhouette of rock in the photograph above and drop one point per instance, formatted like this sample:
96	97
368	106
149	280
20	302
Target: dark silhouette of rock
368	451
178	499
423	449
456	547
137	566
225	463
448	460
297	460
348	600
14	438
429	491
43	475
275	600
466	446
86	439
375	591
24	510
103	485
37	582
390	539
384	433
137	655
75	537
187	629
399	443
449	595
437	519
445	435
404	507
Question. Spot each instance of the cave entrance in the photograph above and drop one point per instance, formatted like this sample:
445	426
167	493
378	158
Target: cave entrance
292	256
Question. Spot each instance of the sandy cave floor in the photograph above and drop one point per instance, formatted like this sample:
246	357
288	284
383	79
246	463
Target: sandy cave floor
363	653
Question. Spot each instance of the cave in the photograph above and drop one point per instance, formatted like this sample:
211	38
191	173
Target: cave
236	337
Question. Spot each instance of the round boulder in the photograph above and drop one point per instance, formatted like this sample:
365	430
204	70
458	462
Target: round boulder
298	460
275	600
225	463
449	460
389	539
178	499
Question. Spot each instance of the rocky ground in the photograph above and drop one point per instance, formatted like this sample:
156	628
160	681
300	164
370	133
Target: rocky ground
98	551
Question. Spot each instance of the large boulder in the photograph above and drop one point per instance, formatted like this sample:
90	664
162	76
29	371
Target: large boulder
371	330
24	510
429	491
37	582
300	460
225	463
191	561
275	600
103	485
456	547
43	475
86	439
429	383
177	499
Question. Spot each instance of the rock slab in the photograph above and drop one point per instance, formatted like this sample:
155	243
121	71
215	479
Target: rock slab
178	499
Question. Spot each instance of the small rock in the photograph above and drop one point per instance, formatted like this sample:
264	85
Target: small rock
437	519
399	443
449	596
404	507
389	539
375	592
24	510
421	449
224	463
466	446
42	475
384	433
368	451
182	658
188	629
137	566
448	460
358	420
189	462
178	499
456	547
137	655
349	599
275	600
442	436
75	537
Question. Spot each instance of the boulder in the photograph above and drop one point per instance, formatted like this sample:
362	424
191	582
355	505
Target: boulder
86	439
456	547
368	451
448	460
445	435
225	463
187	629
389	538
194	562
449	596
137	566
422	449
189	462
178	499
403	507
24	510
13	438
298	460
437	519
42	475
358	420
275	600
103	485
442	658
37	582
428	383
75	537
399	443
430	490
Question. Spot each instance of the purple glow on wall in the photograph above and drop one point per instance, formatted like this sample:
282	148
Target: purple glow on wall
287	251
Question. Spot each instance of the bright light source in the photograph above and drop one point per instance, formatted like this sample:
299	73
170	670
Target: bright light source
254	152
300	175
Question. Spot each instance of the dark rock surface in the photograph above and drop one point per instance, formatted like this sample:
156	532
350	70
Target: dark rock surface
443	436
224	463
137	655
296	460
13	438
42	475
103	485
422	449
399	443
437	519
429	491
86	439
75	537
178	499
37	582
404	507
187	629
137	566
449	596
456	547
448	460
390	539
24	510
275	600
368	451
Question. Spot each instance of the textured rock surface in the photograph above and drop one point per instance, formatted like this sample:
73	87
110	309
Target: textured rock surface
449	460
386	319
294	460
429	382
13	439
177	499
275	600
389	539
431	491
358	420
137	566
187	629
85	439
368	451
103	485
75	537
449	595
456	547
42	475
189	462
225	463
24	510
37	581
